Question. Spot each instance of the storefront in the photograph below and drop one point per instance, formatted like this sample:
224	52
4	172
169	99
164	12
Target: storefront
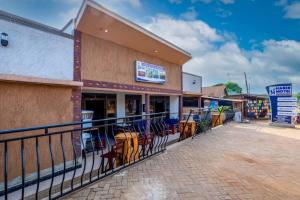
126	74
255	106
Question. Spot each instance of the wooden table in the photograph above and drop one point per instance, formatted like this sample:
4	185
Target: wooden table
216	119
190	128
130	140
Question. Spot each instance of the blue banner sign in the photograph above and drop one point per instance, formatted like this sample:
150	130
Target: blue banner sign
146	72
280	90
283	105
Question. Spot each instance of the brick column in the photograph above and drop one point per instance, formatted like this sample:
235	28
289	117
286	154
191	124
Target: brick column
199	102
147	111
76	92
180	107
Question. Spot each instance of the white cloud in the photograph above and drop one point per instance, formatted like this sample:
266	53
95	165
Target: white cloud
135	3
221	12
211	1
227	1
116	3
190	35
190	14
292	11
281	3
119	6
218	58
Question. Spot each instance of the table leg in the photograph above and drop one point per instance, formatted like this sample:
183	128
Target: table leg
135	148
127	150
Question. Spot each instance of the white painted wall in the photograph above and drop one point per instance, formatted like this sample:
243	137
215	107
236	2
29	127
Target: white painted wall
174	106
36	53
191	83
143	102
120	104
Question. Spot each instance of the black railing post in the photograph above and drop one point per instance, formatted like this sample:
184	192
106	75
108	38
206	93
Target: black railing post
37	154
23	168
5	171
52	165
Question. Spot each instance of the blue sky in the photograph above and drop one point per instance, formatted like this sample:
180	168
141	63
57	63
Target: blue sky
225	37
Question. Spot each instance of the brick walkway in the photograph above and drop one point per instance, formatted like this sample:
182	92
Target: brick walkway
236	161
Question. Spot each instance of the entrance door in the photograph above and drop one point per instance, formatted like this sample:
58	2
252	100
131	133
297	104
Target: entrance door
159	104
98	106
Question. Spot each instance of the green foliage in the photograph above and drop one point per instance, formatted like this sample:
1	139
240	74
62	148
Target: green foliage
225	108
297	96
203	126
233	87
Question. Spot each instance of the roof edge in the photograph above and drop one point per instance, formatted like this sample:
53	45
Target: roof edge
199	76
32	24
128	23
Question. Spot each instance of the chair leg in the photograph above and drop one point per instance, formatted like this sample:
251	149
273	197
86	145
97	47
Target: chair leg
102	165
110	163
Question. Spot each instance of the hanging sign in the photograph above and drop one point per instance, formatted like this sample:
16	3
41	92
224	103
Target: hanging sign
146	72
283	105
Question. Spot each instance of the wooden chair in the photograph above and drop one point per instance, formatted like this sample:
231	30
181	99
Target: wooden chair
146	140
117	151
166	130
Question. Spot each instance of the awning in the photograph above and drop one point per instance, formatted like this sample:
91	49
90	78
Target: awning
99	22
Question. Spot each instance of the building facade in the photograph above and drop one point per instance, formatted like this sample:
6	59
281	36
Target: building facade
36	88
126	74
36	74
110	66
192	91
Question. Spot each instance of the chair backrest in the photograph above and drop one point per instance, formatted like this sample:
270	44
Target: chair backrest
147	138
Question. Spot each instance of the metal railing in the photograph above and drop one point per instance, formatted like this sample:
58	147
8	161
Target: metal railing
62	158
52	161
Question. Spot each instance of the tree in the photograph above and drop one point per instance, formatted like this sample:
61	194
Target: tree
233	87
297	95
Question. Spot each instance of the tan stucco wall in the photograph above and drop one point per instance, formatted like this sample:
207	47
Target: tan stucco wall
106	61
26	105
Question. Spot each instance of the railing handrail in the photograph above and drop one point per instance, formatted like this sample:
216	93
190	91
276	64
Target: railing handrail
66	150
34	128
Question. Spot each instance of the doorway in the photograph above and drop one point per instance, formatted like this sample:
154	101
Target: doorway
159	104
98	106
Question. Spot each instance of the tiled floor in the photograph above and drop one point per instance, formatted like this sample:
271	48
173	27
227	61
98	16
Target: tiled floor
236	161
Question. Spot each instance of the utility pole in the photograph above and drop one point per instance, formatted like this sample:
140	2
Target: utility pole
246	80
249	88
246	83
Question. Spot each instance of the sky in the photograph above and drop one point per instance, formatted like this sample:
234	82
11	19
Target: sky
225	37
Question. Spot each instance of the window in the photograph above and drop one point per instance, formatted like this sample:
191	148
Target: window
190	101
133	105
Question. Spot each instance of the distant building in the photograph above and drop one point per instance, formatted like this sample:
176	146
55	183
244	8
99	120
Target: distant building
192	91
219	91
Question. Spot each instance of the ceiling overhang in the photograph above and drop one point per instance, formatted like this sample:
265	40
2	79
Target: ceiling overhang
99	22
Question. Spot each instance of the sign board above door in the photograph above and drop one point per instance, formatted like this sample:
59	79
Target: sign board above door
150	73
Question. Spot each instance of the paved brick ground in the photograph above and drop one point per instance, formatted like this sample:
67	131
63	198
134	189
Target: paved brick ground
236	161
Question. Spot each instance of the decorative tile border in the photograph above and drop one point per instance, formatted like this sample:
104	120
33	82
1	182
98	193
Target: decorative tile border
118	86
76	92
77	56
